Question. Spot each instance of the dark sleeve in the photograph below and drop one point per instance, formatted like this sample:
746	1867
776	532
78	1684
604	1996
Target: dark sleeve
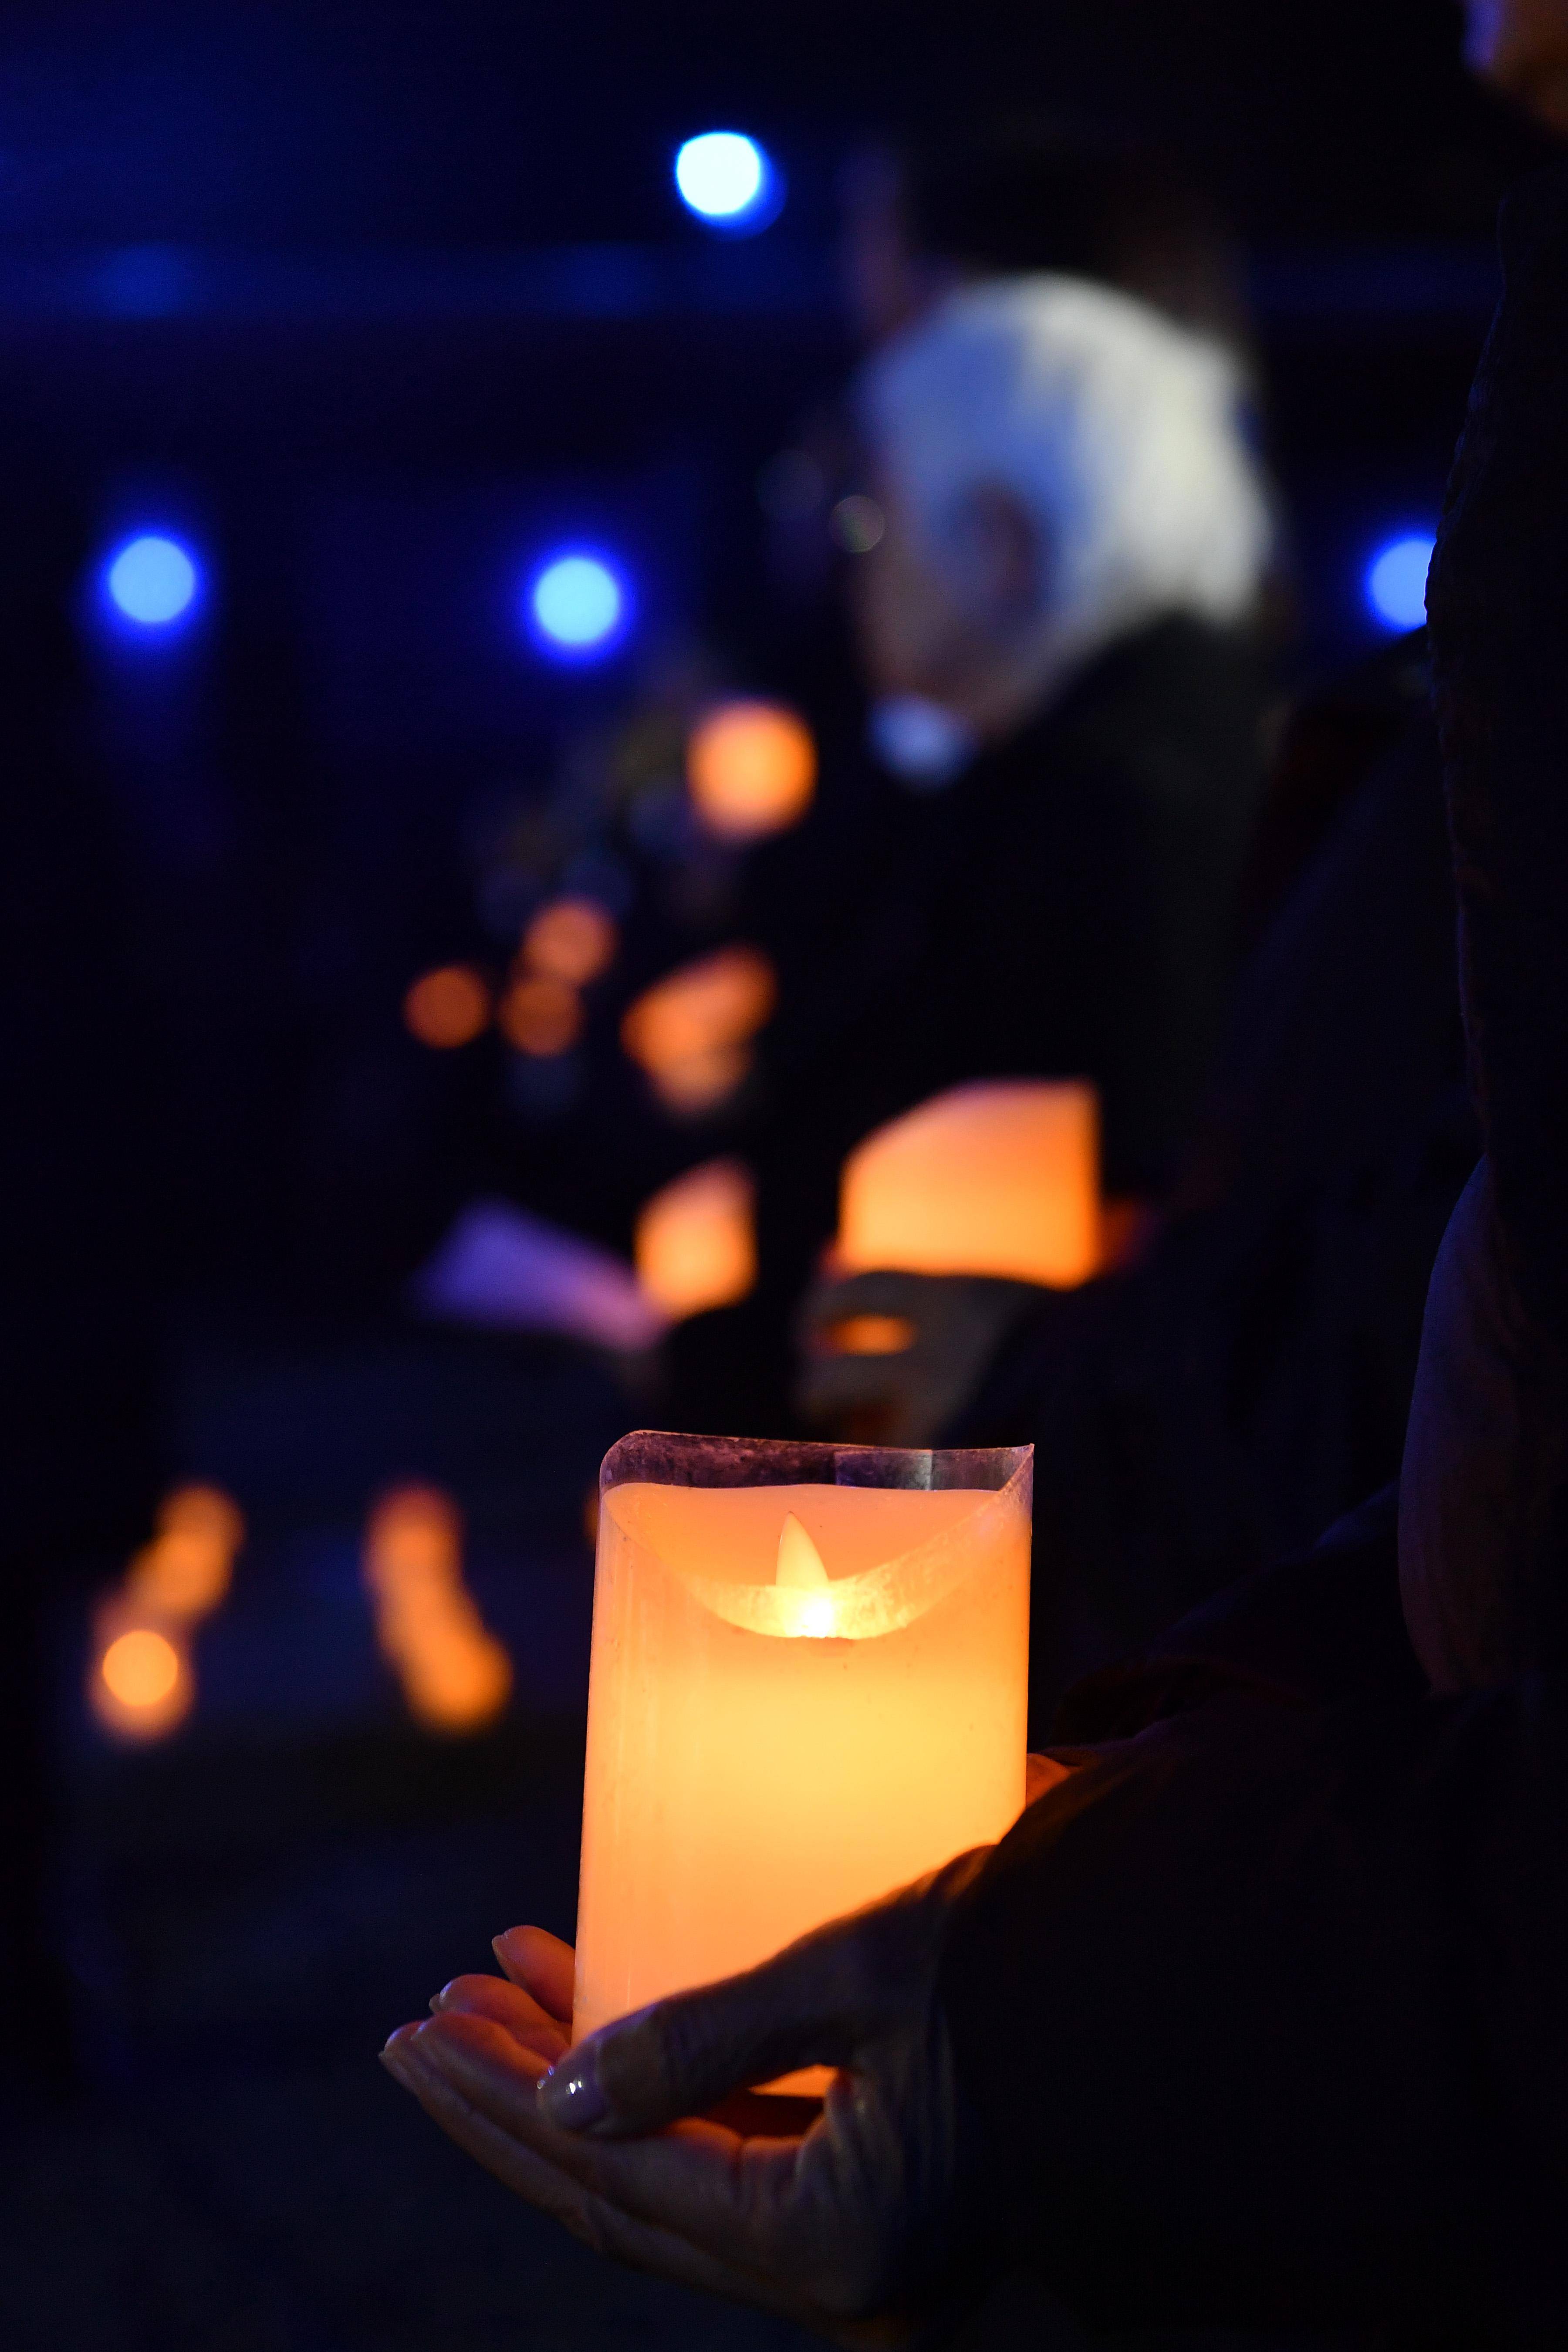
1487	1461
1324	1626
1260	2022
1499	602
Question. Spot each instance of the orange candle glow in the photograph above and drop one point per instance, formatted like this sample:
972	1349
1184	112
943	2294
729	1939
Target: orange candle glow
695	1240
449	1007
808	1687
141	1684
456	1676
185	1571
751	770
1000	1177
573	940
691	1030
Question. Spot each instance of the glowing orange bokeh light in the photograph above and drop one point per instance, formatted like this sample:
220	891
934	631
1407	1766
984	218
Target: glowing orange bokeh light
448	1007
572	940
689	1031
140	1668
206	1510
541	1016
185	1571
456	1676
695	1240
868	1335
140	1685
751	768
998	1176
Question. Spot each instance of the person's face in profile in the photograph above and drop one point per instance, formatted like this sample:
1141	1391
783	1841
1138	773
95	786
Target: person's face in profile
954	621
1521	47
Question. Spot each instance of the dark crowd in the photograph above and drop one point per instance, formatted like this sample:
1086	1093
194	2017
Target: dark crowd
635	648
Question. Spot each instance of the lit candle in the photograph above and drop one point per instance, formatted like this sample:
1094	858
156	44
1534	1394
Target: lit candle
751	768
696	1244
808	1687
1001	1177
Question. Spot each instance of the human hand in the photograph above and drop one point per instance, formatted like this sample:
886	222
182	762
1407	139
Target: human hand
636	2138
889	1357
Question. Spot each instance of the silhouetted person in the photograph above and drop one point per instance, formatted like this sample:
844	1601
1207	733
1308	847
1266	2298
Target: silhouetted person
1246	1380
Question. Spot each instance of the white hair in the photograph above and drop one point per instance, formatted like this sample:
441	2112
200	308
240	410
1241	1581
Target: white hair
1120	433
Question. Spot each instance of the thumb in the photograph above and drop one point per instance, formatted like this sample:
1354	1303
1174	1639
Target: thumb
816	2005
681	2056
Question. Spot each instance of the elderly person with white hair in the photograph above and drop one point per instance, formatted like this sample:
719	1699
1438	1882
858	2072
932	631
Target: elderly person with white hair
1069	537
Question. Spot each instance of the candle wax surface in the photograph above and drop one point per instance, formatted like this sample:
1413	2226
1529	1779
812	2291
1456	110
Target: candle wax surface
752	1773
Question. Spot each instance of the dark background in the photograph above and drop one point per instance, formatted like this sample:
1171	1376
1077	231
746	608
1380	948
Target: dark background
375	300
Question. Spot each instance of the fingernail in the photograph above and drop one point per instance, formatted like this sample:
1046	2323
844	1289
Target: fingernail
439	1999
398	2040
571	2092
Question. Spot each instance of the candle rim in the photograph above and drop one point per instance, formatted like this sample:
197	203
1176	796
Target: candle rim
798	1462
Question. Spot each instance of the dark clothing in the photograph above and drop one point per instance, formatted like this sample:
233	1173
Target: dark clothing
1487	1565
1065	909
1221	1401
1281	1972
1283	1965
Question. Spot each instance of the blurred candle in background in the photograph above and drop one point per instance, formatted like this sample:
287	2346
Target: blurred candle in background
751	769
691	1031
186	1569
808	1687
448	1007
456	1676
1000	1177
540	1016
694	1244
572	939
141	1682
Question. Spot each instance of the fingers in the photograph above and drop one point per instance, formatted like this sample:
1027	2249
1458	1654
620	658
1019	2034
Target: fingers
815	2004
809	2226
889	1292
697	2178
590	2217
541	1965
508	2007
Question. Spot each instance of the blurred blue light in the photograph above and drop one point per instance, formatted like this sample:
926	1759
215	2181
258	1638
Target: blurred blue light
578	606
1395	582
727	180
152	581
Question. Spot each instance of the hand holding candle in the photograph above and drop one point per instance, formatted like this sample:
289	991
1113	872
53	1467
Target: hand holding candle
846	2228
836	2225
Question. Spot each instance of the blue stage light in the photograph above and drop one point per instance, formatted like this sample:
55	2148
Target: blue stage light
152	581
577	603
728	181
1395	582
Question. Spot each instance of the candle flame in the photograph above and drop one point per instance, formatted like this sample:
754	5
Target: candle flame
800	1567
801	1571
